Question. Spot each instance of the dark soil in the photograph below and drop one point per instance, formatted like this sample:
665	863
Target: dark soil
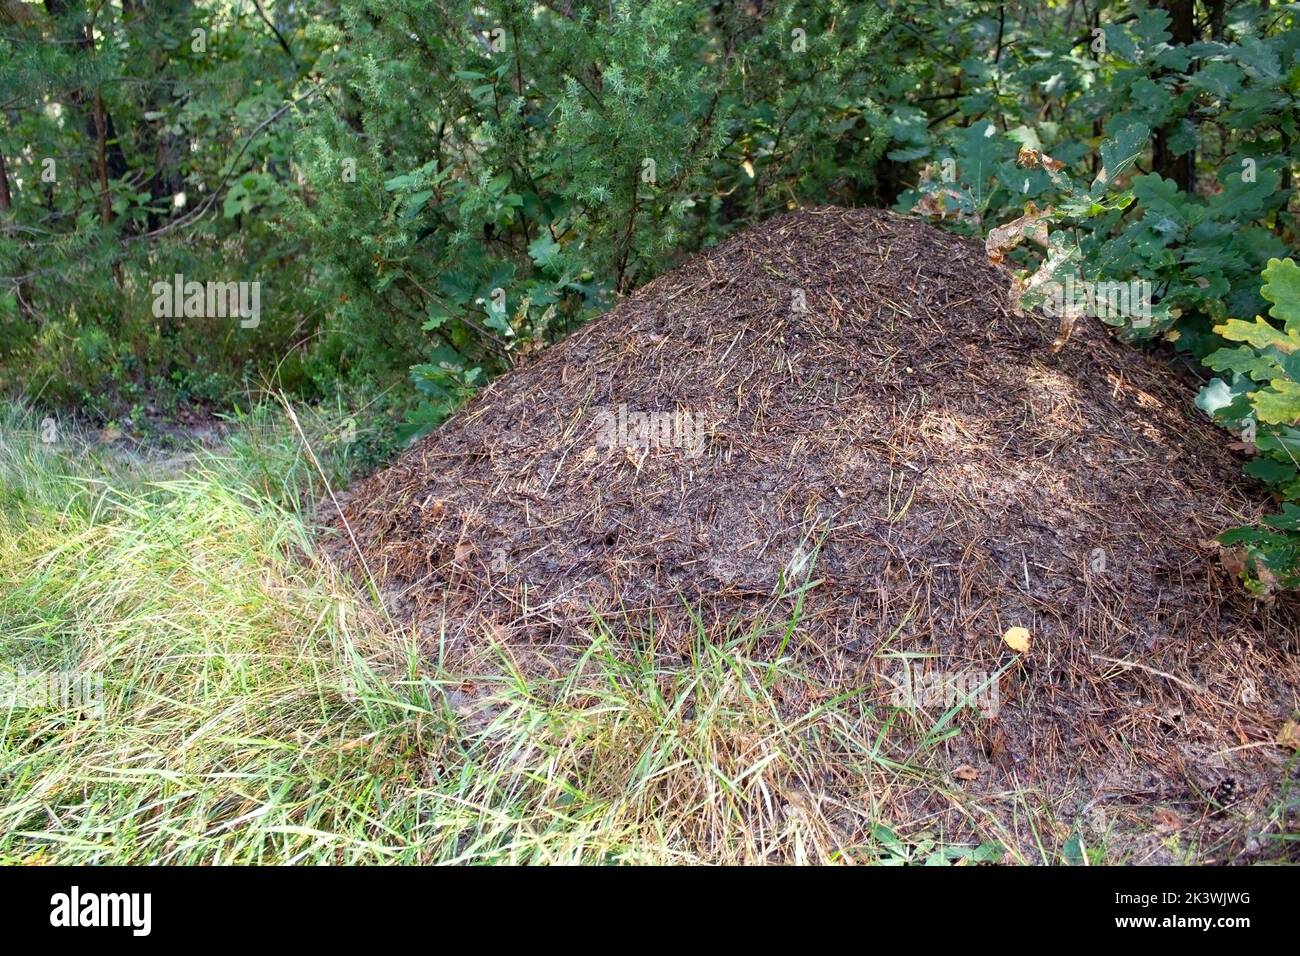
952	477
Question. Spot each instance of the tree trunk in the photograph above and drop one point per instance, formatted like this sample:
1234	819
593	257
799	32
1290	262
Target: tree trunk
84	38
1180	169
6	201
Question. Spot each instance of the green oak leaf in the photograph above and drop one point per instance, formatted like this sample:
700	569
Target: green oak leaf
1259	334
1282	288
1279	404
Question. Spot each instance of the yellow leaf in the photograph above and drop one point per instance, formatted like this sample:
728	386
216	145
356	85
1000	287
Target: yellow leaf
748	167
1289	735
1017	638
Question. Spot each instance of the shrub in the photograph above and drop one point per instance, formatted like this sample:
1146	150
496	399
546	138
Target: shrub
498	171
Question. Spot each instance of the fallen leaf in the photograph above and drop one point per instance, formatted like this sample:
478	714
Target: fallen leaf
966	772
997	748
1233	560
1063	330
1289	735
1267	583
1168	820
1017	638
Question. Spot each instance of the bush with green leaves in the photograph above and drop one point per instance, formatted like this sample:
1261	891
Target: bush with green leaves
499	171
138	141
1259	395
1207	128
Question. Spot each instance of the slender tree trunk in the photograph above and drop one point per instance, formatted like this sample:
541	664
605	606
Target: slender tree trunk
84	37
6	200
1180	169
6	207
1218	16
101	162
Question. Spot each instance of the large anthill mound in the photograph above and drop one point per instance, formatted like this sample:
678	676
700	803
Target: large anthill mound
845	397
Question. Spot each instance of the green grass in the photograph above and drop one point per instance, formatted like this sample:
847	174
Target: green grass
259	710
